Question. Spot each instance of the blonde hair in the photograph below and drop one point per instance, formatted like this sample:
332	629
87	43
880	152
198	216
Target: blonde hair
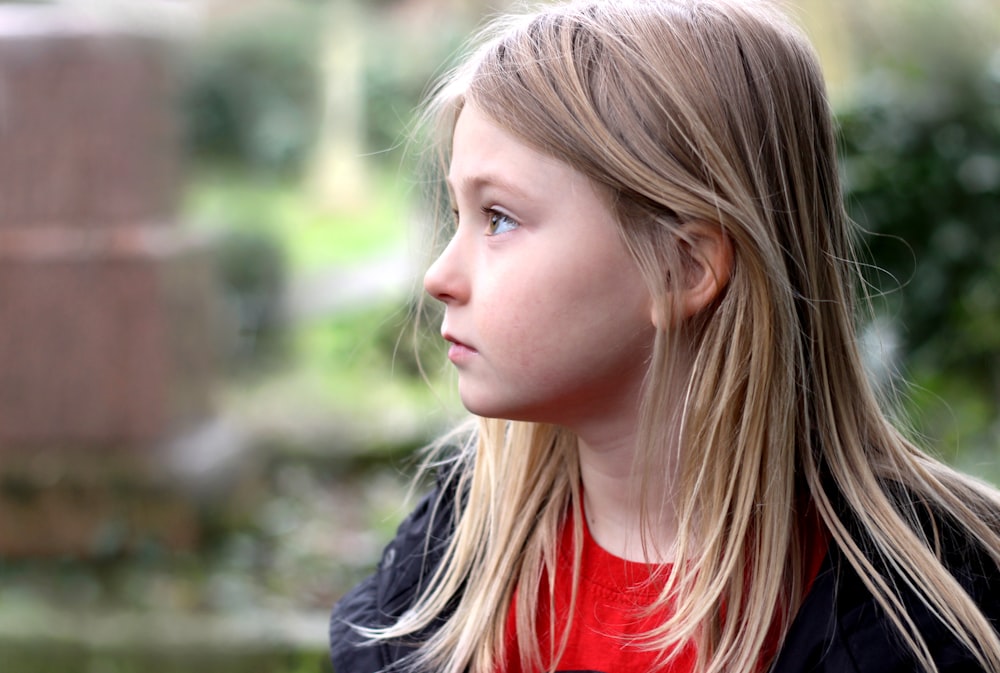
711	111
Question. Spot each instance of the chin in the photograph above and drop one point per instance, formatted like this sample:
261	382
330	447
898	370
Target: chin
503	407
506	413
487	411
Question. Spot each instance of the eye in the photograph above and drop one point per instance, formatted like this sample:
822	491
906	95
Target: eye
499	223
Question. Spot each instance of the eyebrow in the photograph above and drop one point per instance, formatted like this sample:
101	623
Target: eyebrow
481	180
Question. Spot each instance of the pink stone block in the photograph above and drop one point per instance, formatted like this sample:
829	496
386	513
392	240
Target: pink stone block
88	132
100	345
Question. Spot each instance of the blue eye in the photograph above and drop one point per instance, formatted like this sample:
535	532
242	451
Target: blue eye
499	223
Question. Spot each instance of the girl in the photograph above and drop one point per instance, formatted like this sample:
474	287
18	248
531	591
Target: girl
678	462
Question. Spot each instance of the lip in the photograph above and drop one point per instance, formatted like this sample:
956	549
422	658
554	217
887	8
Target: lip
458	351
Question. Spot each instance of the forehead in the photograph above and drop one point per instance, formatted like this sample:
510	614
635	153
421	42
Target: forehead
483	153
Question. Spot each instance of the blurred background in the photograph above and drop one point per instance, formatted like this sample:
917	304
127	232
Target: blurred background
209	254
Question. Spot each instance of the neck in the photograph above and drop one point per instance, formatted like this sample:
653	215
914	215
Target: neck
612	504
620	515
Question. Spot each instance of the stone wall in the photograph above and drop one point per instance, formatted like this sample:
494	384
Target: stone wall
106	304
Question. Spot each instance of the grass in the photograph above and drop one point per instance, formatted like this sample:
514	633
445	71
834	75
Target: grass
48	656
313	236
347	379
331	418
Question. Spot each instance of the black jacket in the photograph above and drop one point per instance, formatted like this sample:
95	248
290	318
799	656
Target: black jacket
839	628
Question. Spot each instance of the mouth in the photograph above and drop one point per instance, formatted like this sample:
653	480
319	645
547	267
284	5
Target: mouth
458	351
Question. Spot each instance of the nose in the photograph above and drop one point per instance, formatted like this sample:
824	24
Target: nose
446	280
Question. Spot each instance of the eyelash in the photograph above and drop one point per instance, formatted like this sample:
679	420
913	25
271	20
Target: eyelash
493	215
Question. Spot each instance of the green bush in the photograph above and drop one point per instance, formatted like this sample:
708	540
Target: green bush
249	94
921	154
398	67
923	169
253	272
57	657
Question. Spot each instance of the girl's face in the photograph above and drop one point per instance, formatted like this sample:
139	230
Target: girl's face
547	314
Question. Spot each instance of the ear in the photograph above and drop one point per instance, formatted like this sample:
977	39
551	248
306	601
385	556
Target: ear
706	253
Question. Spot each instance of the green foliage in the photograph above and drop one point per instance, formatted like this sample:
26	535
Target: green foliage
360	361
252	84
398	65
58	657
252	272
369	357
921	152
925	181
267	232
250	94
310	236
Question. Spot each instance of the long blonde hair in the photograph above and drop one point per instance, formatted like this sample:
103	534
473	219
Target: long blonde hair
702	110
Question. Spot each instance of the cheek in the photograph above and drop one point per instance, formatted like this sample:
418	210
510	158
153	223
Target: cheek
563	333
516	324
549	308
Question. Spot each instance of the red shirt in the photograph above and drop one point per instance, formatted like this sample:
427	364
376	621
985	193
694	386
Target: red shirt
610	602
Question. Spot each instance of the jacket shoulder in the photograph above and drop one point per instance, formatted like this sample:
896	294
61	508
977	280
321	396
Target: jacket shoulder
841	627
405	565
